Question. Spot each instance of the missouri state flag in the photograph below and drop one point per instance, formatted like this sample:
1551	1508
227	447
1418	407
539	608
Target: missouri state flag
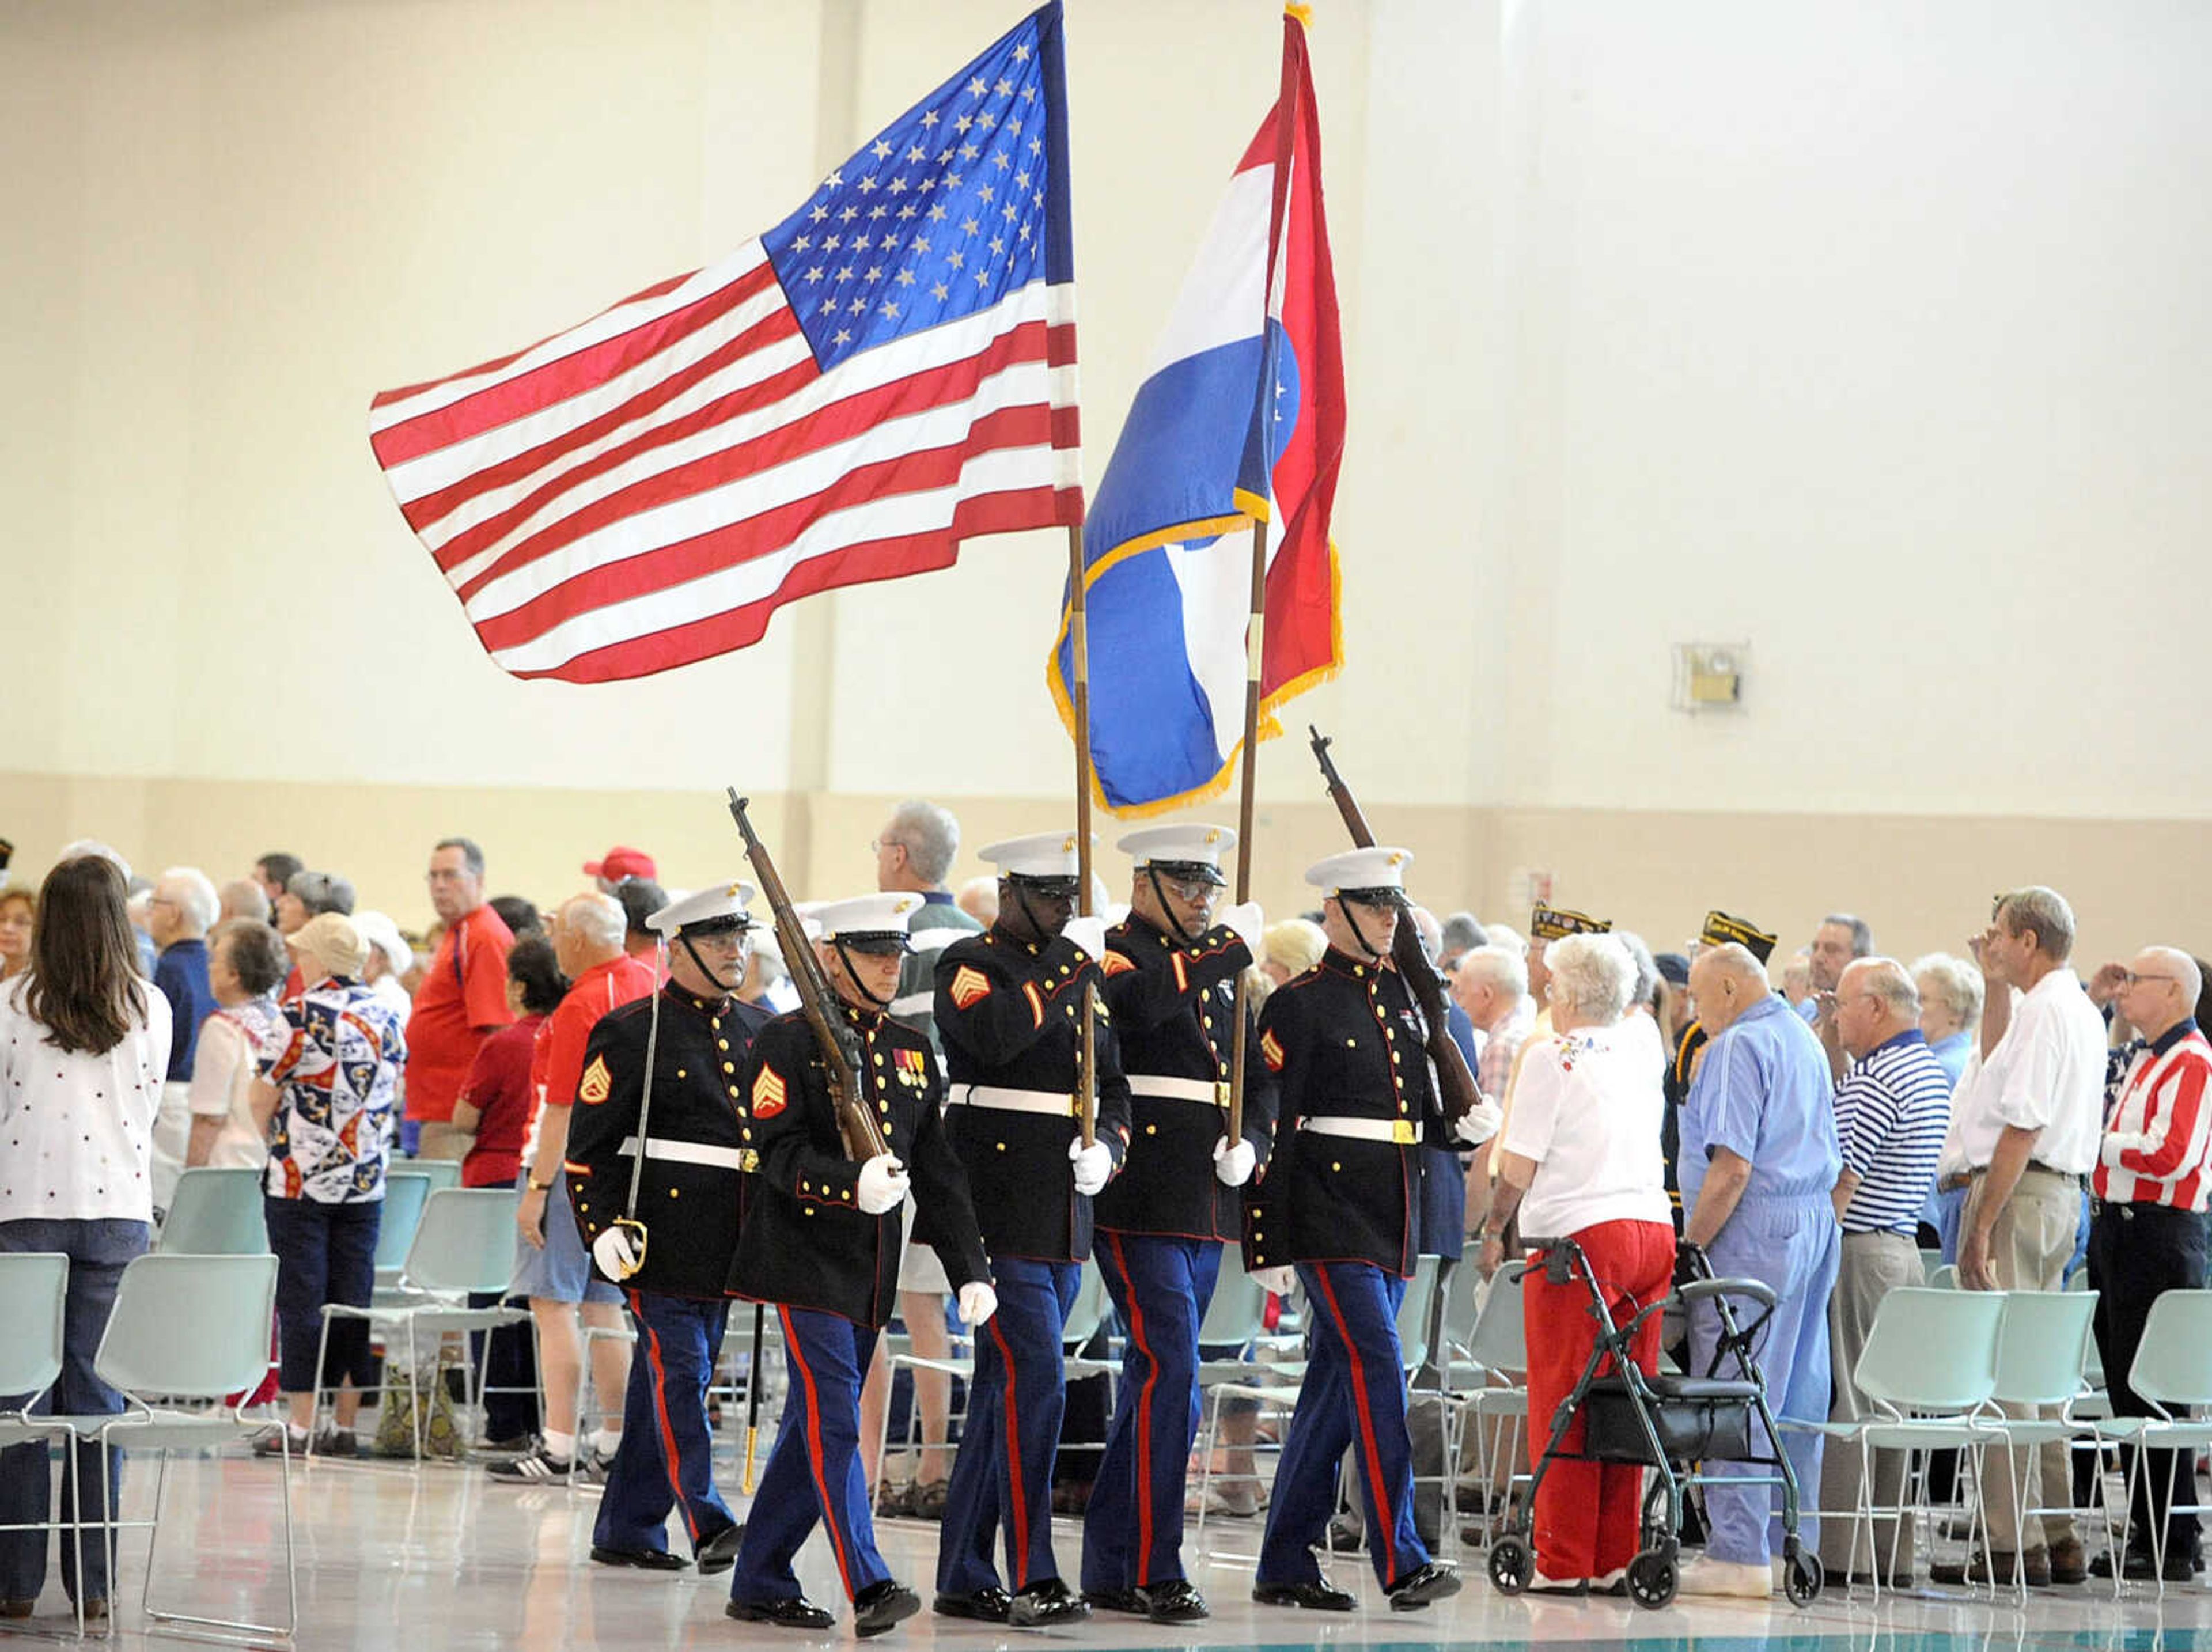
1239	421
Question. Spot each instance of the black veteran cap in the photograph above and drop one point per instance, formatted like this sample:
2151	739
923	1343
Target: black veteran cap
1552	923
1720	929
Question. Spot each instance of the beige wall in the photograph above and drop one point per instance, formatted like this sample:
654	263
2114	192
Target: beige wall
1861	332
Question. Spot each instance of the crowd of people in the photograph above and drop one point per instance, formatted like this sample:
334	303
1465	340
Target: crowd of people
941	1107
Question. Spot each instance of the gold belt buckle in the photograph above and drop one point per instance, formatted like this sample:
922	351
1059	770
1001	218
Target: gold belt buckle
1221	1092
1402	1132
747	1162
1075	1105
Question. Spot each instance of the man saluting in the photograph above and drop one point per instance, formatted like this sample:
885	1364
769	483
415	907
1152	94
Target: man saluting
822	1242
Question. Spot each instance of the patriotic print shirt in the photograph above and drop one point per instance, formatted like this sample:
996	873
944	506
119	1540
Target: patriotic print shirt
335	1066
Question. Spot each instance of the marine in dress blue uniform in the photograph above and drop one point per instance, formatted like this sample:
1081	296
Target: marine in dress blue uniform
1170	981
1008	1005
821	1241
1343	1045
1762	1098
671	1259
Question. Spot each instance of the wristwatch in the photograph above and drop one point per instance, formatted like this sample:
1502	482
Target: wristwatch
538	1186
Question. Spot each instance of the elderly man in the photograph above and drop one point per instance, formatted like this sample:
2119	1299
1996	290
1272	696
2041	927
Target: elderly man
619	865
2028	1132
1490	985
243	897
181	912
551	1267
1841	938
463	999
1891	1111
2147	1235
1758	1159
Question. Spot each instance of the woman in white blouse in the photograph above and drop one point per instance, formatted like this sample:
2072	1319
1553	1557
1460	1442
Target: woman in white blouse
246	963
84	1046
1581	1159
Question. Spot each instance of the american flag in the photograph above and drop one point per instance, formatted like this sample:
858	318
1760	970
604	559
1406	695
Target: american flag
887	372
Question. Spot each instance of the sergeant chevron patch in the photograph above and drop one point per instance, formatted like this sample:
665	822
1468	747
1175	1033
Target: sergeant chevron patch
592	1088
768	1093
970	985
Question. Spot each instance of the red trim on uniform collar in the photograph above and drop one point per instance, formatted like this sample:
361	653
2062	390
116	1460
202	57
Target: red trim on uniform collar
709	1006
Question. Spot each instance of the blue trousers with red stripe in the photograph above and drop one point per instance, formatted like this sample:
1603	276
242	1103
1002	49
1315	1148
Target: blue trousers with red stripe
1002	1475
667	1462
1133	1531
1354	1394
814	1474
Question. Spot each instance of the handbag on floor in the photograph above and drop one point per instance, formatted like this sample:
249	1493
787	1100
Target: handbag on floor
395	1423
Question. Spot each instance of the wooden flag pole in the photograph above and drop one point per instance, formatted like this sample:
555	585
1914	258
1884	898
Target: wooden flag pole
1086	1100
1254	640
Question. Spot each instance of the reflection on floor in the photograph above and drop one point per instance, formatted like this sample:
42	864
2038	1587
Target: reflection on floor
446	1559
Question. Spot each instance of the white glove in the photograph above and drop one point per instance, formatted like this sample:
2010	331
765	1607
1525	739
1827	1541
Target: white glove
1093	1164
882	1184
1232	1165
618	1252
1088	934
1280	1280
978	1301
1250	925
1479	1123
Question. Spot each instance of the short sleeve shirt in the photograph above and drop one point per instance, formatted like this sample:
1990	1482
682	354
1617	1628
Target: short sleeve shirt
2047	1075
462	999
1765	1094
335	1075
499	1088
1587	1110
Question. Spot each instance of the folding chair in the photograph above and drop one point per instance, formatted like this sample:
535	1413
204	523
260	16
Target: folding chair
193	1327
2172	1369
1498	1345
215	1213
405	1192
2043	1349
34	1294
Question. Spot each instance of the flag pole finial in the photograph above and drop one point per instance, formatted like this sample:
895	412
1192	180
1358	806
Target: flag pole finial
1301	10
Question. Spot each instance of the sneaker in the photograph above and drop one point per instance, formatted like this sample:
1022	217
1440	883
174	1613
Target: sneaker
593	1465
331	1441
270	1443
539	1468
1750	1581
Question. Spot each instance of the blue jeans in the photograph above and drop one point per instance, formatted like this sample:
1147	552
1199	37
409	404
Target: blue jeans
98	1251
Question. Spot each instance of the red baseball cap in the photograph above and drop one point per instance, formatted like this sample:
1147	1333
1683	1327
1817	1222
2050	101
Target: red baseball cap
621	862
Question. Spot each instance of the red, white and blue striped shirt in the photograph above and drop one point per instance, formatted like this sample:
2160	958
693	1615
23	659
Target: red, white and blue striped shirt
2159	1135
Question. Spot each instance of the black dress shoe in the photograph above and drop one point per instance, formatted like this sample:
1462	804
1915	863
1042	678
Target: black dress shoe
797	1612
878	1607
1422	1585
643	1559
2137	1567
1319	1595
1044	1603
1131	1601
719	1551
985	1605
1175	1601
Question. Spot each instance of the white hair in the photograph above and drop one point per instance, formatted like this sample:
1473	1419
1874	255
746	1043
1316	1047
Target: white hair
193	894
1892	982
1956	981
931	837
1510	939
98	850
1647	966
1591	975
597	919
2045	912
1505	968
244	898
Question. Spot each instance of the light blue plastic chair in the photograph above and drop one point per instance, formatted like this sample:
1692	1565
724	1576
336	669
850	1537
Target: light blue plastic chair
405	1192
2173	1369
444	1173
1944	1278
463	1244
1929	1369
215	1213
34	1289
191	1328
2043	1348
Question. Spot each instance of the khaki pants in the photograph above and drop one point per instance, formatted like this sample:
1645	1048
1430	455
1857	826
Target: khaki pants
1874	1265
2029	1248
439	1140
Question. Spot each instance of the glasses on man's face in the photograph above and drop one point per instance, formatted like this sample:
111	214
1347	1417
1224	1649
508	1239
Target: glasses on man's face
2132	978
1195	892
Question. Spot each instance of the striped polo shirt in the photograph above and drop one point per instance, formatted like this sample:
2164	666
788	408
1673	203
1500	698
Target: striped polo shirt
1892	1109
2155	1147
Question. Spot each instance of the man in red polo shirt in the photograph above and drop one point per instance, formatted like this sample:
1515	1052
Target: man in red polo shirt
462	999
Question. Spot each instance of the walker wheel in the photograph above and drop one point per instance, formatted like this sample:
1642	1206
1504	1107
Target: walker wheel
1510	1566
1802	1578
1653	1577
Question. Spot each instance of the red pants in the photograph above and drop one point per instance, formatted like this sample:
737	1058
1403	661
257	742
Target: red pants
1587	1513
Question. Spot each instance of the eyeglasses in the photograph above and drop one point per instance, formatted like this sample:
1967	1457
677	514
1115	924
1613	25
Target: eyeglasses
1194	891
876	846
2132	979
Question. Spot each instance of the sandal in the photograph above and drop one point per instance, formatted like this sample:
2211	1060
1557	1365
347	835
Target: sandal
927	1502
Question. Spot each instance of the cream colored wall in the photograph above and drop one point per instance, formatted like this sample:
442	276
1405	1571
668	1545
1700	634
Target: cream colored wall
1867	333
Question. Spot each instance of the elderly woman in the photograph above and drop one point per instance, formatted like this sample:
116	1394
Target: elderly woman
84	1043
19	918
246	963
1950	990
1581	1160
326	1098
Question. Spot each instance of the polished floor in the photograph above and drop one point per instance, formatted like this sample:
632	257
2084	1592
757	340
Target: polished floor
443	1558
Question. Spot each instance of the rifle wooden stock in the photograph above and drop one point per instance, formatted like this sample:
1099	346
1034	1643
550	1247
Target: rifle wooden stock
856	1127
1455	1083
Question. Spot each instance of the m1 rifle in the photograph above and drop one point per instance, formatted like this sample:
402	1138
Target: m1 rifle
841	1046
1455	1085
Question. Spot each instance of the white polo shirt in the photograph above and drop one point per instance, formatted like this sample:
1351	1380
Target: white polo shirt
1588	1108
2046	1074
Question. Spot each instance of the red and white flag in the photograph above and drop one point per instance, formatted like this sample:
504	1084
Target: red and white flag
889	371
